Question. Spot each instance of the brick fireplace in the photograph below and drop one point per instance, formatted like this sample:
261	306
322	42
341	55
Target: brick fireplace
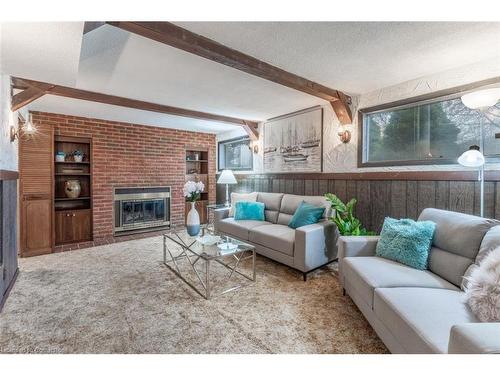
131	155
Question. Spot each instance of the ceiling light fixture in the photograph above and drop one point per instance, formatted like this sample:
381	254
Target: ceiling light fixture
482	99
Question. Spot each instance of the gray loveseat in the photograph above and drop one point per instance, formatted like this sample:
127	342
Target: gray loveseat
416	311
305	248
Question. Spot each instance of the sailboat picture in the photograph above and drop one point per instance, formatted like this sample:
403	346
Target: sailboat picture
293	143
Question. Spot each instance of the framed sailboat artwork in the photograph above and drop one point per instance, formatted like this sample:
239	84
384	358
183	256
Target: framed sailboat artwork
294	142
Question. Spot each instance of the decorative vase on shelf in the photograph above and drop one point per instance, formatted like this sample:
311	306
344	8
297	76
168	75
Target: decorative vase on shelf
60	156
193	221
78	156
72	188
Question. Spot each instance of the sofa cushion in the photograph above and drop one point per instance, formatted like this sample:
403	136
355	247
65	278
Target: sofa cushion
421	318
364	274
236	197
239	228
290	203
272	201
275	236
449	266
459	235
491	241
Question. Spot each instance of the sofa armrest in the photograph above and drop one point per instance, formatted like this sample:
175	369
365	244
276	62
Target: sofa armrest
315	245
357	246
220	214
475	338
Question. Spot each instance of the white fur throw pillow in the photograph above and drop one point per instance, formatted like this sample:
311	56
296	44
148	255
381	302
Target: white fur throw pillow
483	289
237	197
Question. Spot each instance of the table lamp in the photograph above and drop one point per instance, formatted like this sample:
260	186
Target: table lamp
227	177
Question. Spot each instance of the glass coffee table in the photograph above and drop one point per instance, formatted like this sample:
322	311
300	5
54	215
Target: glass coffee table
192	261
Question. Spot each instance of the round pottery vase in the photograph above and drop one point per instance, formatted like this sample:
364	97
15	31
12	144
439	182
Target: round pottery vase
193	221
72	188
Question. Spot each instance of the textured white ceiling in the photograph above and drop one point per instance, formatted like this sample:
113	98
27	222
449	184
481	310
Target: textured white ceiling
359	57
44	51
120	63
355	57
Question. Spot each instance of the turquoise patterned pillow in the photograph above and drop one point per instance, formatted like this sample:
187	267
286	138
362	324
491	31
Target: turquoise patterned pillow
406	241
245	210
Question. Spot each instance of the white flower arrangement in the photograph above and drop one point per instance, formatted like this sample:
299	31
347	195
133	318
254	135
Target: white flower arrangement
192	190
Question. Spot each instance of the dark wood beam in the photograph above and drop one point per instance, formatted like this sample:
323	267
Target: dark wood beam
25	97
252	131
175	36
28	94
70	92
89	26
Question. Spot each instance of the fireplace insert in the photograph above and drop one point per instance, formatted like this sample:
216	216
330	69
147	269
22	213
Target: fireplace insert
140	209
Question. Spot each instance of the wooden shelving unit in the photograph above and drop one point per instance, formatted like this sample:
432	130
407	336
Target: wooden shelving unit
73	216
197	167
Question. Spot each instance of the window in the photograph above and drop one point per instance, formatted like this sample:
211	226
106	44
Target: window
235	154
434	131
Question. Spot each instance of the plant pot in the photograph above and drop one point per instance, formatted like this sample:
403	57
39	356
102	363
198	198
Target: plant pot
72	188
60	157
193	221
78	158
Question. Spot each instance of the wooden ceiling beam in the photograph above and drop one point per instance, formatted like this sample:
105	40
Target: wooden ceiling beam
89	26
252	131
70	92
175	36
25	97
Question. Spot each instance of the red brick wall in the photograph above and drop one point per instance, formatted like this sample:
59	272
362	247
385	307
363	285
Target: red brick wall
133	155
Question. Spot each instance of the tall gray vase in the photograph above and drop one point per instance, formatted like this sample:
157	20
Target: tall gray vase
193	221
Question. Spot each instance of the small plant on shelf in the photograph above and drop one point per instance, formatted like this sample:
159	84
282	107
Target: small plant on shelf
344	217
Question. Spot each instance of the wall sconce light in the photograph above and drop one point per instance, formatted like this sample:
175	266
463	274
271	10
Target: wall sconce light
345	135
27	128
254	147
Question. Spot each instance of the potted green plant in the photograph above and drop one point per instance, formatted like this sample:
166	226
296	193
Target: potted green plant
344	218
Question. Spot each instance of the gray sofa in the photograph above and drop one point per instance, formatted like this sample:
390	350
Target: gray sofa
305	248
416	311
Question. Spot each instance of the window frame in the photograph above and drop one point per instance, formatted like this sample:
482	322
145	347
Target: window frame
435	97
233	140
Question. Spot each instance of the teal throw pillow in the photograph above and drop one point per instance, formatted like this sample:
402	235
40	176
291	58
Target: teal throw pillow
406	241
245	210
306	214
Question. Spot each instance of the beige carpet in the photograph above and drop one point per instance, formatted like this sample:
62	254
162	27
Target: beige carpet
120	298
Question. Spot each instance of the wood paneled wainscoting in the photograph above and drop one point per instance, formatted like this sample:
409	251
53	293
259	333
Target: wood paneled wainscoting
8	232
381	194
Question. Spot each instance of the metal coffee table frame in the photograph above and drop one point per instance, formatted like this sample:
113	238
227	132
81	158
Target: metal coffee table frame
193	257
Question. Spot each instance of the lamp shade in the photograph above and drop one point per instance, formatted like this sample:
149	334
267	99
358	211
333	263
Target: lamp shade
227	177
482	98
471	158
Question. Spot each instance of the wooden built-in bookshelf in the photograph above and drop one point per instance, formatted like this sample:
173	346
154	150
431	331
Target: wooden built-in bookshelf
73	216
197	167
